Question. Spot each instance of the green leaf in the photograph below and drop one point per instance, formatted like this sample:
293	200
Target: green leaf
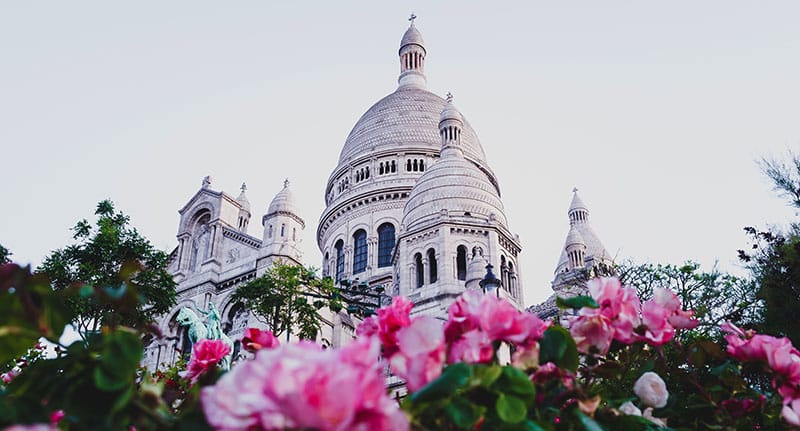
588	423
511	409
558	347
530	425
485	375
463	413
515	381
105	381
454	377
577	302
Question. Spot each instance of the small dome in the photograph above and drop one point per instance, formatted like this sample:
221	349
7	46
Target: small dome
283	201
574	237
242	199
453	187
412	36
576	203
450	112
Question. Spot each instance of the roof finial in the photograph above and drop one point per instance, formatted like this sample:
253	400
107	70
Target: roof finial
286	183
449	97
412	18
574	190
244	187
206	181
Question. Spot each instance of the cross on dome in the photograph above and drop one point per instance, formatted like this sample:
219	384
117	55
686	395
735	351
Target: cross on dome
412	18
574	190
286	183
243	188
449	97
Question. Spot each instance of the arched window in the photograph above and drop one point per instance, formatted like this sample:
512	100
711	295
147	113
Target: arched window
359	251
339	259
432	269
380	169
503	272
294	234
422	165
394	166
461	262
326	265
270	231
512	279
420	270
415	166
283	229
366	172
385	244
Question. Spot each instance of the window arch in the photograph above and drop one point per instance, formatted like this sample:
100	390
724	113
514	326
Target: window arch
503	272
385	244
359	251
270	231
394	166
339	259
326	267
408	165
420	270
283	229
432	268
461	262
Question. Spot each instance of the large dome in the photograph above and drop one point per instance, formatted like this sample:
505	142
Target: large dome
405	119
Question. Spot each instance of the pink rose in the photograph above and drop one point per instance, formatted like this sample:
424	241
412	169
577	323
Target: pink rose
502	321
255	339
390	320
592	333
368	327
421	352
206	354
677	317
791	411
56	416
658	329
32	427
473	347
619	304
526	358
302	386
463	315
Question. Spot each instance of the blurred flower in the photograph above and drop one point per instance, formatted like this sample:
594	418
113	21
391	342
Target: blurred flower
206	354
630	409
651	389
255	339
421	352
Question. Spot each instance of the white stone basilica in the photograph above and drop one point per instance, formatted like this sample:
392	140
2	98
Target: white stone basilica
412	205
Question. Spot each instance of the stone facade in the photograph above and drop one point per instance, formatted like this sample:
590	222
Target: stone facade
412	206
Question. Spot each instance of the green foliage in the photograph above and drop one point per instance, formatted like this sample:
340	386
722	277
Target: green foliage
474	396
96	380
576	302
289	297
558	347
29	310
714	296
122	278
4	255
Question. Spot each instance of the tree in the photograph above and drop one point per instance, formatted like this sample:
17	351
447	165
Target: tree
122	279
715	296
4	255
288	296
774	255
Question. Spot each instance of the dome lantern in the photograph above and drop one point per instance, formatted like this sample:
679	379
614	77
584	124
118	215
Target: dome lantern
412	57
451	124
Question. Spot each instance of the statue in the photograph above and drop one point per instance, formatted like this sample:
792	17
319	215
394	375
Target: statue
212	322
209	331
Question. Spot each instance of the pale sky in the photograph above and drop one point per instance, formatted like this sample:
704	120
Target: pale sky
655	111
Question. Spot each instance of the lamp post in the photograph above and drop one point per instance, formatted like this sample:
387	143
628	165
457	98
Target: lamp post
490	281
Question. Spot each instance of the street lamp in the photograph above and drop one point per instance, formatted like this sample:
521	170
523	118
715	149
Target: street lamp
490	281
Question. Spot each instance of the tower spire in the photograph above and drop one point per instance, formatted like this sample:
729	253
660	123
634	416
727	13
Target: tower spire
412	57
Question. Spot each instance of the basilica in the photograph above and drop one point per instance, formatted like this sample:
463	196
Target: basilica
412	206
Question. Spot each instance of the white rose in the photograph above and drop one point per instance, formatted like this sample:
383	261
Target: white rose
648	414
651	390
629	409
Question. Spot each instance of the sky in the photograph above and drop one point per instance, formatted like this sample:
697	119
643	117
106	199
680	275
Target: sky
656	111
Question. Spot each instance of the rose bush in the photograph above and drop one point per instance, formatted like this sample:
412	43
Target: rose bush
620	364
